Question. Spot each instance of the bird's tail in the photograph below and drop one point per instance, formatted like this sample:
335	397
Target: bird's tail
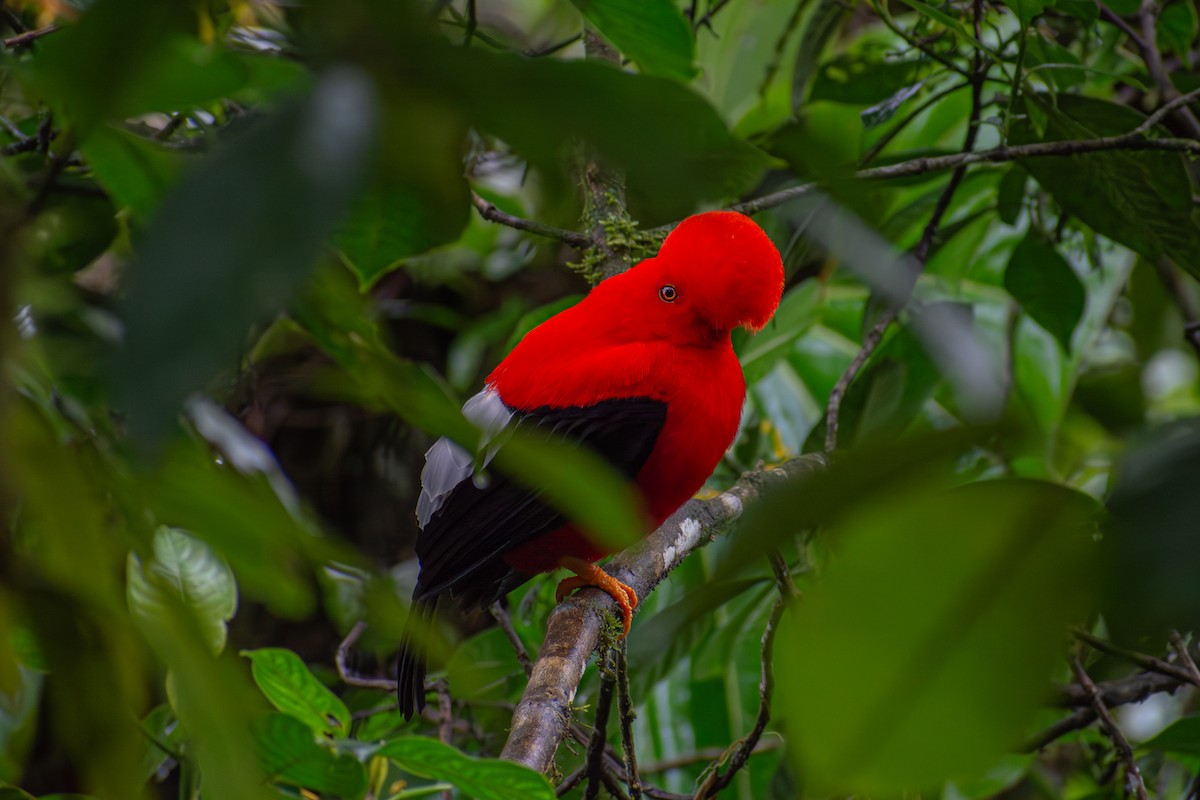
411	665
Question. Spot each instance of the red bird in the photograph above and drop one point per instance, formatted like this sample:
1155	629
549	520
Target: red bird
642	372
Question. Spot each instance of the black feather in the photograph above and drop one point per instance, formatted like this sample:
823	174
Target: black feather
461	546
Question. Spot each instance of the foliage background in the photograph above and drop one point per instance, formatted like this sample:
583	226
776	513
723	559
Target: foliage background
252	255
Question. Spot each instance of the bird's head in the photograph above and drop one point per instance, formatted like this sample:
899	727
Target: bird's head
718	270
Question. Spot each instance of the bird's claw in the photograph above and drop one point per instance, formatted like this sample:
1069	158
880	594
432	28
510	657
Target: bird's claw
590	575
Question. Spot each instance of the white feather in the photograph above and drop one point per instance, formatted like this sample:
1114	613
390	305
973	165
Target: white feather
447	465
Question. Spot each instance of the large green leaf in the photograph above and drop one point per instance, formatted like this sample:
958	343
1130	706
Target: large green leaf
232	241
135	172
291	754
674	149
1150	544
653	33
931	595
1142	200
189	568
1049	291
1181	736
478	778
1026	10
393	220
94	68
294	690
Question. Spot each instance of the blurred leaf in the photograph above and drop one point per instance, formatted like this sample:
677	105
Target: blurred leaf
1026	10
189	568
1177	26
479	778
232	242
820	25
95	67
164	736
952	612
71	231
653	33
1010	197
796	314
291	754
574	480
1181	736
1150	543
295	691
134	171
682	156
18	722
863	81
882	112
1048	290
390	222
242	518
666	638
1142	200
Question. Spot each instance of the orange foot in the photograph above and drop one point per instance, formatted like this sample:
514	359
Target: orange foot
591	575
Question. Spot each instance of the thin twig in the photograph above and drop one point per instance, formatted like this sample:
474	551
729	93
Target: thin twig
489	212
920	252
553	48
625	708
706	20
446	721
27	38
353	679
716	780
599	735
1148	18
1142	660
500	614
1109	725
1179	645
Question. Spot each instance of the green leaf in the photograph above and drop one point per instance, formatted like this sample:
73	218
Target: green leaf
1150	544
135	172
1177	26
94	68
391	221
1010	198
653	33
951	591
189	568
291	754
1181	736
1142	200
291	688
71	231
797	312
1026	10
18	721
1048	290
478	778
862	80
232	242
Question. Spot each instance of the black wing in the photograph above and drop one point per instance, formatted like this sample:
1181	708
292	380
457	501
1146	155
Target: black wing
460	545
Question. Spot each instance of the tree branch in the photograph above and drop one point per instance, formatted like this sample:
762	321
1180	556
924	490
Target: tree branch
492	214
27	38
1124	751
1133	140
543	716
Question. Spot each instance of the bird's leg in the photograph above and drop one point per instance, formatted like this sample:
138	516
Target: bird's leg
587	574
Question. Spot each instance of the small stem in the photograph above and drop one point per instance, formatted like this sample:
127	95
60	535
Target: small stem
1109	725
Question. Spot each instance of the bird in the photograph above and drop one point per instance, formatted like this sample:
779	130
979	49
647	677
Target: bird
642	372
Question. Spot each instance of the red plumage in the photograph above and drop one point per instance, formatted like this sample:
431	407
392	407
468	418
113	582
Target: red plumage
642	371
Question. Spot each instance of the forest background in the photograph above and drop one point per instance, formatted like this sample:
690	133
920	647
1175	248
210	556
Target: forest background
253	255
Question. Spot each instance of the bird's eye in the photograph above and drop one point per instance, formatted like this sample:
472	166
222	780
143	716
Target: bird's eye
668	294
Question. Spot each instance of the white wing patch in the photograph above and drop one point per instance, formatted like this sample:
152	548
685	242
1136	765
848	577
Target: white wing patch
447	465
